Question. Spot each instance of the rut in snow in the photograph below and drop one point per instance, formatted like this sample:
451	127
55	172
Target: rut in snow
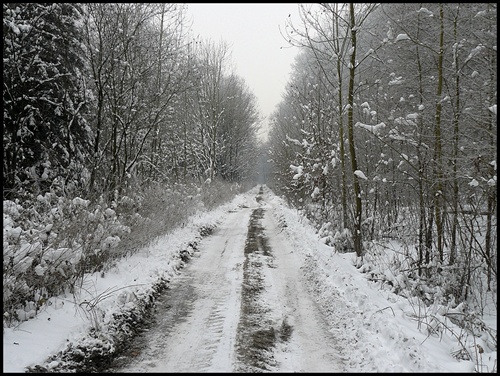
256	335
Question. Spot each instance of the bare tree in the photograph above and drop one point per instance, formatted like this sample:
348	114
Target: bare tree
136	75
332	32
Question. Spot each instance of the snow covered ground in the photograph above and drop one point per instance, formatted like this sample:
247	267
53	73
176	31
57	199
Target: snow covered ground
374	330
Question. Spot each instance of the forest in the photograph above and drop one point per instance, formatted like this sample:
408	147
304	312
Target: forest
119	124
388	130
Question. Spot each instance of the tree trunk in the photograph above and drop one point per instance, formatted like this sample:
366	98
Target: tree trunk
438	168
350	126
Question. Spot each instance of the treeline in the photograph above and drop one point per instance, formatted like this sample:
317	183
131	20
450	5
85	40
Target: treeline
118	125
100	96
388	130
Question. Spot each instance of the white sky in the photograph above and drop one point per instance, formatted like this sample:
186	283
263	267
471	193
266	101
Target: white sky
363	328
252	31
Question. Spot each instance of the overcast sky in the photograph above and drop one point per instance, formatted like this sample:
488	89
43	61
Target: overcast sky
252	31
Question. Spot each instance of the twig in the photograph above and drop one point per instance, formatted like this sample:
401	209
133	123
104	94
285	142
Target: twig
380	310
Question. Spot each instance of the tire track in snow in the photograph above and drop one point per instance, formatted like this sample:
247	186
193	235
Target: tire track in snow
312	347
258	333
281	327
240	305
196	322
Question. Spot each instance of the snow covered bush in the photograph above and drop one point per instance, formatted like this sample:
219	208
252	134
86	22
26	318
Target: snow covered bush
342	241
439	293
50	241
218	192
162	207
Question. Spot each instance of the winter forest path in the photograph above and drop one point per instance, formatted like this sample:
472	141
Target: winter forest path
240	305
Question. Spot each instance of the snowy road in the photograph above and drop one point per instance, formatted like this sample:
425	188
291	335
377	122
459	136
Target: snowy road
262	293
240	305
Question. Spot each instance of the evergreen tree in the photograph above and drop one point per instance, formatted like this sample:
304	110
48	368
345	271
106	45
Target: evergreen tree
45	135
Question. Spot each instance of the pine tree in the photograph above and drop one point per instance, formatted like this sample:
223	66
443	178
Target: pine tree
45	135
